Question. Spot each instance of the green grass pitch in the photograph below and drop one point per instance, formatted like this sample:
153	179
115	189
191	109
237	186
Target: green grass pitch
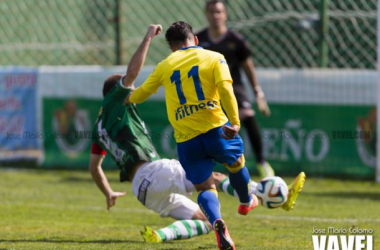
42	209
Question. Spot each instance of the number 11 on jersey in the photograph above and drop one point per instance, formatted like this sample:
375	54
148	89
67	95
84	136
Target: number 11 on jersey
194	73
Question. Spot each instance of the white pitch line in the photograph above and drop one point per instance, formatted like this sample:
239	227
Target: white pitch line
143	210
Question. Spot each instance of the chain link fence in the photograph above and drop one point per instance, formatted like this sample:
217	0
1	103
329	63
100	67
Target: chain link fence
56	32
291	34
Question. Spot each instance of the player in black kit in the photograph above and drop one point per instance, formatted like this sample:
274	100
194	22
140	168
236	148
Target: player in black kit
219	38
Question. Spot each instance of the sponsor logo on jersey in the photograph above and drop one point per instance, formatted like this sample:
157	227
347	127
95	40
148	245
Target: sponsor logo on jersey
188	110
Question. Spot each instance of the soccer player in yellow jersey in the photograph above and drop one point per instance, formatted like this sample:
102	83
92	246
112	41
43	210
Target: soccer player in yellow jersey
197	83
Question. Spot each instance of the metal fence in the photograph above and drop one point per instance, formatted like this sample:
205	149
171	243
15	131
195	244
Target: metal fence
281	33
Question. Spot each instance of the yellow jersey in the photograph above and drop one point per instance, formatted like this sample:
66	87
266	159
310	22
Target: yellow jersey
190	76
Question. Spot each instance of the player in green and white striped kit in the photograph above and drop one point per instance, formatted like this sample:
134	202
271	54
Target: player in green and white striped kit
159	184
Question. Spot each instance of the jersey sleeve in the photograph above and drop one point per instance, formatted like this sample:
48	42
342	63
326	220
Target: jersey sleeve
243	51
221	70
153	82
122	90
97	150
229	102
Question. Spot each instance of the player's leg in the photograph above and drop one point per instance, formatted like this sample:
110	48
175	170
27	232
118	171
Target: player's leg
230	154
223	184
247	117
160	187
294	189
208	199
191	222
240	179
255	139
209	203
198	167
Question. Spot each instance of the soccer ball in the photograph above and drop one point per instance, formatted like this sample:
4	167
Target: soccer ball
272	192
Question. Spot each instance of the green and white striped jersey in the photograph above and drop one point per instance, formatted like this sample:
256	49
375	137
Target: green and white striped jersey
120	131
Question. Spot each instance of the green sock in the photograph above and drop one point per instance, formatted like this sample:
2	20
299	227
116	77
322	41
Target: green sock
183	229
226	187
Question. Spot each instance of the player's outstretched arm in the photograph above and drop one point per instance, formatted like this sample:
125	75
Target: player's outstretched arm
138	59
101	180
249	69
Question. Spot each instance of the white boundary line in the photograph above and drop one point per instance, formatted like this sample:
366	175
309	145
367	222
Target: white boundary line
143	210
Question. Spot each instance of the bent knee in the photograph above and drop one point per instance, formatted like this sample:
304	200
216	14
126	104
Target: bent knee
236	166
218	176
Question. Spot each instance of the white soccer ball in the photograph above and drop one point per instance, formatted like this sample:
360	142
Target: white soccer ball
272	192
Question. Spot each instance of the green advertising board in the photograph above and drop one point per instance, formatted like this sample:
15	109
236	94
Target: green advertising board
322	140
323	122
329	140
67	124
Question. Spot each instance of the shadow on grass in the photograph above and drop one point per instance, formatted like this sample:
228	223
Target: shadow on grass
347	195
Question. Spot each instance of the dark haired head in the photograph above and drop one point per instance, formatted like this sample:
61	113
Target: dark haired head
178	33
213	2
110	82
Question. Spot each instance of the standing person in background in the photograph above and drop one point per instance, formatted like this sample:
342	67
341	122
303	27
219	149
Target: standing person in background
219	38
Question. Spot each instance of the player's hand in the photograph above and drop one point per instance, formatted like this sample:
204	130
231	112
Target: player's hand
263	105
153	30
229	132
261	101
111	198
